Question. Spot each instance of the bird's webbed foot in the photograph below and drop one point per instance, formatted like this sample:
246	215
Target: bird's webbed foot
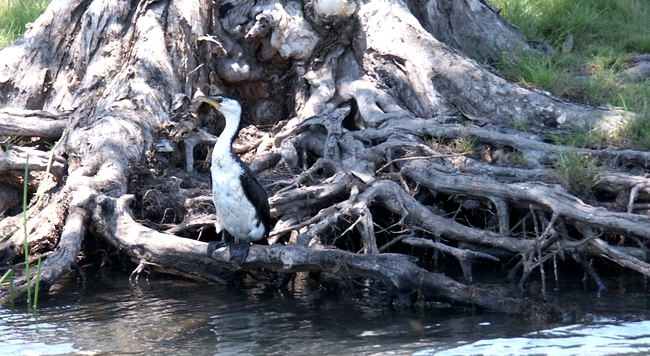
226	239
239	252
215	245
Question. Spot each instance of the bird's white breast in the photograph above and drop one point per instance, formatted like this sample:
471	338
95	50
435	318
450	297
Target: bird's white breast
234	212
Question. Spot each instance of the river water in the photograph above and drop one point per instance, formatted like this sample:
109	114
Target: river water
113	316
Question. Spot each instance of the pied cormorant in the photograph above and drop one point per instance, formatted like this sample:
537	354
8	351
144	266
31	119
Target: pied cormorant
239	199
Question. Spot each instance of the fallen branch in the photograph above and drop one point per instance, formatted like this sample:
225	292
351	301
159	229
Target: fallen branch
188	257
31	123
552	198
464	257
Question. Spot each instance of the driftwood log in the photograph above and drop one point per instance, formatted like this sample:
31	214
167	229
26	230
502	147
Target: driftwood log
381	136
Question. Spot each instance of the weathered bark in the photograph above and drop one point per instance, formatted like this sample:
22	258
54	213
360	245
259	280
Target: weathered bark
31	123
470	26
361	112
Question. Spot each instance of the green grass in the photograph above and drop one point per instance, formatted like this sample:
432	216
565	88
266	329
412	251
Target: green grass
32	301
578	172
26	242
598	26
463	144
8	278
605	33
15	14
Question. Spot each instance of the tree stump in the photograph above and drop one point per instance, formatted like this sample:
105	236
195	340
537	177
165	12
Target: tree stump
381	134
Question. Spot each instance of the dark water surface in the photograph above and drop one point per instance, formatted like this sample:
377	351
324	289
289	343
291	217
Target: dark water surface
171	317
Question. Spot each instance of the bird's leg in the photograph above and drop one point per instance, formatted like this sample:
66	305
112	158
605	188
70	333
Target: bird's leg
215	245
226	238
239	251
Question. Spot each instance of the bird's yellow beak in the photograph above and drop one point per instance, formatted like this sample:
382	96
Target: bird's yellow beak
210	100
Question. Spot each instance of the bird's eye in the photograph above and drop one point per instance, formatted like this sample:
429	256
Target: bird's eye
219	100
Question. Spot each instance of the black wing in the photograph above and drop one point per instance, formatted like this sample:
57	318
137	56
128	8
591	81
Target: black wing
255	194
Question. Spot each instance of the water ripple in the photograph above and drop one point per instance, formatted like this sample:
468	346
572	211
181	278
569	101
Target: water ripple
594	339
170	317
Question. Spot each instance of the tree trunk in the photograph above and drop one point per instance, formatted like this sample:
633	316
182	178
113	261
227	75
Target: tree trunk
372	125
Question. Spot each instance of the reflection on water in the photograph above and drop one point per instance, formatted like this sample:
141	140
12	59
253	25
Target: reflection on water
607	338
172	317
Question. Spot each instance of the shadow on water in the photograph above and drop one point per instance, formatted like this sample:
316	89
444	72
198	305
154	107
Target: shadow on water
172	317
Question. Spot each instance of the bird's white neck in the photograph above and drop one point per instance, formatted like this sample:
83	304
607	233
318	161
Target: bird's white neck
224	143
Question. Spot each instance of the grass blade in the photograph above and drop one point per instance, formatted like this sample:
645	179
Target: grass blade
38	283
9	275
27	277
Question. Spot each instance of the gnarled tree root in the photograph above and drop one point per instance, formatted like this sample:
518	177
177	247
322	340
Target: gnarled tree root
187	257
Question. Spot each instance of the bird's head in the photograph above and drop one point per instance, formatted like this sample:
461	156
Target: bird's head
229	107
